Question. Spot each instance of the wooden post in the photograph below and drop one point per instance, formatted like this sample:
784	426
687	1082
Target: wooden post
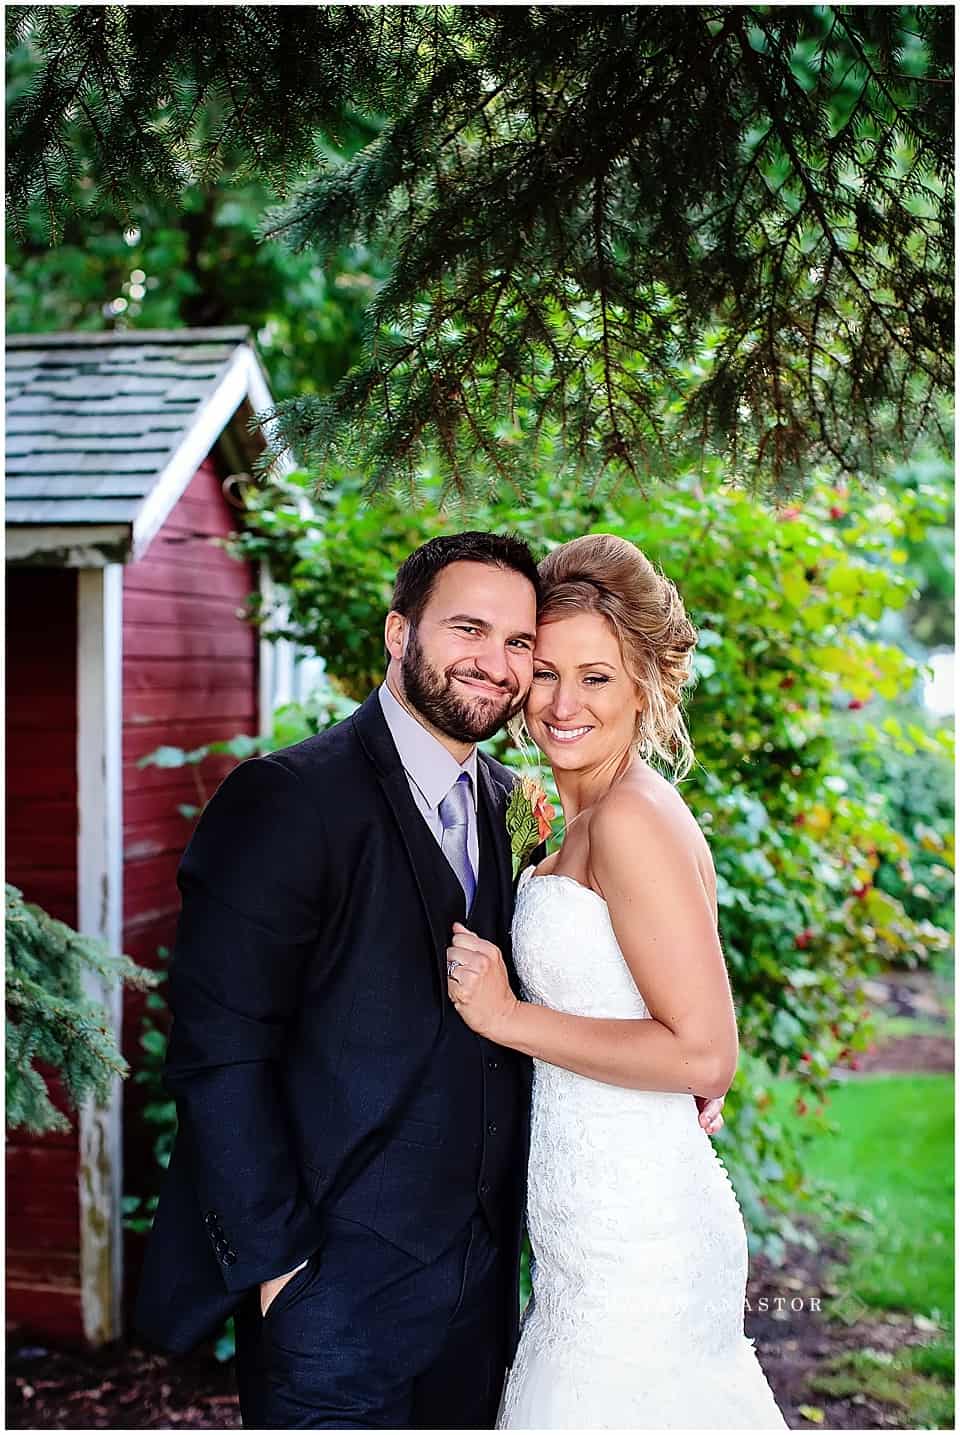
100	914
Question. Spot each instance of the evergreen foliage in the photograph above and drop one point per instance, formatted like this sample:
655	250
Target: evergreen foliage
50	1017
648	233
193	260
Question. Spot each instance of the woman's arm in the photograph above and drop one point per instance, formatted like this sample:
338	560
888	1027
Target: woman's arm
645	865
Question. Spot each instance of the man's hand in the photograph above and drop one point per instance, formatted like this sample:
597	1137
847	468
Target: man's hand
710	1108
272	1288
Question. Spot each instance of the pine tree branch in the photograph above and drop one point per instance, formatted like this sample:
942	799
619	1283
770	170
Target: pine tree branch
579	191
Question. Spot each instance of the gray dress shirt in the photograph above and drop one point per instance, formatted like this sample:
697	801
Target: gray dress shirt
431	770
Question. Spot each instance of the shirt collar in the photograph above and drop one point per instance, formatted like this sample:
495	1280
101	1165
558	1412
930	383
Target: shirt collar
425	759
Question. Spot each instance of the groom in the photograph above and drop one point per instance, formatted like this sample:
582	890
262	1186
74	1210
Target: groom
349	1171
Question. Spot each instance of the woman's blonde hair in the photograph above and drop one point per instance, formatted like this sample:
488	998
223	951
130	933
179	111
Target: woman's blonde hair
601	573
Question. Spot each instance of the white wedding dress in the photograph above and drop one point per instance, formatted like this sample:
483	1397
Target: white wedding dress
639	1250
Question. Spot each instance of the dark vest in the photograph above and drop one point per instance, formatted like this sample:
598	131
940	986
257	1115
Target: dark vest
455	1146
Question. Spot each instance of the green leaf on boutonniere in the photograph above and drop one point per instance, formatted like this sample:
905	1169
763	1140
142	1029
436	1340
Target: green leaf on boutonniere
529	815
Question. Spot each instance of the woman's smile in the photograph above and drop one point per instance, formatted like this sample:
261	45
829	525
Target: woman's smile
565	735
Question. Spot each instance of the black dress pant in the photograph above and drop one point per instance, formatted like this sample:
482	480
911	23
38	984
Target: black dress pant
366	1337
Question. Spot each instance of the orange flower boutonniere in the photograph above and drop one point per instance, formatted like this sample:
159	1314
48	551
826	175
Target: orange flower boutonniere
530	818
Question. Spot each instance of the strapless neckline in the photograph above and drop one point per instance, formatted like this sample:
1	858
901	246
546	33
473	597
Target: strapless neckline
562	877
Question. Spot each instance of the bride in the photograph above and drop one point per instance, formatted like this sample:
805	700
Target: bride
639	1250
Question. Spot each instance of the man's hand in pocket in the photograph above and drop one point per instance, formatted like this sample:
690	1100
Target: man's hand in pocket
270	1289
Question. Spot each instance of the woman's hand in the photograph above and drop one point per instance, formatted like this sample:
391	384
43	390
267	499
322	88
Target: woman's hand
478	985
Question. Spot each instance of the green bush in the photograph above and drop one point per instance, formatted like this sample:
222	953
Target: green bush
906	757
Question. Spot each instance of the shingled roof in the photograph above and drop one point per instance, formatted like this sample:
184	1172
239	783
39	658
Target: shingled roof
97	422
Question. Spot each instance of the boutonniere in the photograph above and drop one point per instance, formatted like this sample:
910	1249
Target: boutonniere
529	820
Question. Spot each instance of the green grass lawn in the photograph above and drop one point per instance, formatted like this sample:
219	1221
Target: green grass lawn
892	1158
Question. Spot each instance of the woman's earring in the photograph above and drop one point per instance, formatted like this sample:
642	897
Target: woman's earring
642	741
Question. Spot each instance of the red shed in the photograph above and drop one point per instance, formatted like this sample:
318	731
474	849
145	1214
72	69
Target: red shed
124	632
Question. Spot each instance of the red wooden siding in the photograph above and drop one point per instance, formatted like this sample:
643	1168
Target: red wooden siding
189	677
42	1225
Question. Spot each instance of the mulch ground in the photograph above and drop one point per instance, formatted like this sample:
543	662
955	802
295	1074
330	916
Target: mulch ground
910	1053
118	1387
794	1339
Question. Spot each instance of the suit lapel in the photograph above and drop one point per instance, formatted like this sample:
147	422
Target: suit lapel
421	847
422	851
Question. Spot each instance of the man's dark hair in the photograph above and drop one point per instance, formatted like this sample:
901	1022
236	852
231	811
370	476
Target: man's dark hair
417	574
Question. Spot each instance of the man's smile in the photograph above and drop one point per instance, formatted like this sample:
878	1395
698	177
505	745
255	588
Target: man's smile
492	690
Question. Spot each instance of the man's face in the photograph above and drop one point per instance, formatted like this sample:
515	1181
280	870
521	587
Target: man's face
467	664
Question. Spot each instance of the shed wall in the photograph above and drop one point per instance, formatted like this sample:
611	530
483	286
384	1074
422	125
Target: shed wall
43	1224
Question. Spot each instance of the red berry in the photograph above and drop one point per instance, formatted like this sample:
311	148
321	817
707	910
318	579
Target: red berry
855	703
803	939
801	1107
837	512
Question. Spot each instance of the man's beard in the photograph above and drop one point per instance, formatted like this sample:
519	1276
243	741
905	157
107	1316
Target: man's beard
434	697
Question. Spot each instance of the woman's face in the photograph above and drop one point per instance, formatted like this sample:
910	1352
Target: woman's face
583	704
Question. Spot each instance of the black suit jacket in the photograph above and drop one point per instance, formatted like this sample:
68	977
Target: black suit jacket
307	989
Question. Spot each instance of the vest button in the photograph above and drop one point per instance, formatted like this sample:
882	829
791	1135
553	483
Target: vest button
484	1187
492	1128
493	1064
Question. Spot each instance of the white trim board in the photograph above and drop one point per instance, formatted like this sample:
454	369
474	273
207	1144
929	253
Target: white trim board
242	378
275	660
100	914
77	545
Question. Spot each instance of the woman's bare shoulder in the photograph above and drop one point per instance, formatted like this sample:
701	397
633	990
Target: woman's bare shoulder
644	808
643	796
